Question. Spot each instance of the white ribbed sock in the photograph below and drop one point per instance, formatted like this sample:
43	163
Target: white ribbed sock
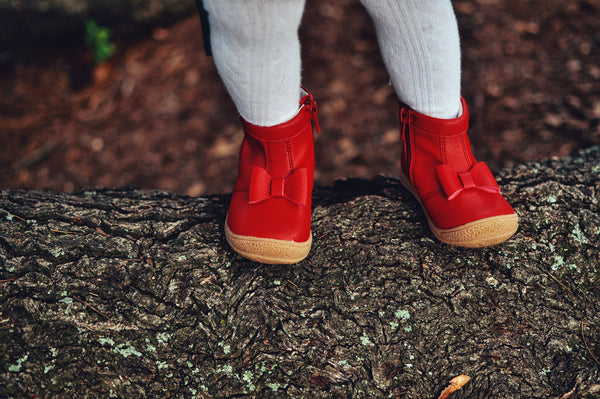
420	46
257	53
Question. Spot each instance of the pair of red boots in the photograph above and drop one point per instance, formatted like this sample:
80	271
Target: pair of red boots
270	212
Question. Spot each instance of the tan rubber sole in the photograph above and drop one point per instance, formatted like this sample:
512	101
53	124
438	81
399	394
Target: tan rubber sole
480	233
268	250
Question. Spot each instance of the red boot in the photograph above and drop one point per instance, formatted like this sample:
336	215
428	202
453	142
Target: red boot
461	198
270	209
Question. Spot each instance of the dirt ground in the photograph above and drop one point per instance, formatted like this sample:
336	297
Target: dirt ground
157	116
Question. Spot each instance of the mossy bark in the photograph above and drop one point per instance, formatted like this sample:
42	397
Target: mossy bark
127	293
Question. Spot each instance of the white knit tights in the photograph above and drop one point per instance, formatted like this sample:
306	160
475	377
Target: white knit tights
421	49
257	53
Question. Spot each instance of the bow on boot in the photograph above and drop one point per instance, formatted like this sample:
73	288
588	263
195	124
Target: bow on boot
453	182
263	186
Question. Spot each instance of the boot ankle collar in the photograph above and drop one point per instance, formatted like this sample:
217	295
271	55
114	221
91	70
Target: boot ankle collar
442	127
307	113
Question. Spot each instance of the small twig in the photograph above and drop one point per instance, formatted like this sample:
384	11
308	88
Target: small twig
586	344
100	231
18	217
7	280
91	307
559	282
571	392
62	231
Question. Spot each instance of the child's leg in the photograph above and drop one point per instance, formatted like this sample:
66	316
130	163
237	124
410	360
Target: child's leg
256	50
420	46
257	53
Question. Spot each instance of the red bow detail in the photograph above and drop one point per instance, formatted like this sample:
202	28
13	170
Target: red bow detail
263	186
478	177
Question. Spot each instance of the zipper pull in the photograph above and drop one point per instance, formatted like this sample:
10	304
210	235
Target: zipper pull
311	107
314	114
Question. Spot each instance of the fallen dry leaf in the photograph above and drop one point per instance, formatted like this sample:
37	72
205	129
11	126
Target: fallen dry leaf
455	384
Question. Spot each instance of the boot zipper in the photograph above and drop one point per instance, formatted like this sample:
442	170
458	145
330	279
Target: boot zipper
312	109
405	137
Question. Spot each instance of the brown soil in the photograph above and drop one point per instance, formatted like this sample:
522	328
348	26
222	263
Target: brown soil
157	115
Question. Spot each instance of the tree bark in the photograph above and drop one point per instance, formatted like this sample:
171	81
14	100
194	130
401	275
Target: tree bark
128	293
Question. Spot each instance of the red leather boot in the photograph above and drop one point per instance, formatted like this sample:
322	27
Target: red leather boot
270	210
460	196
